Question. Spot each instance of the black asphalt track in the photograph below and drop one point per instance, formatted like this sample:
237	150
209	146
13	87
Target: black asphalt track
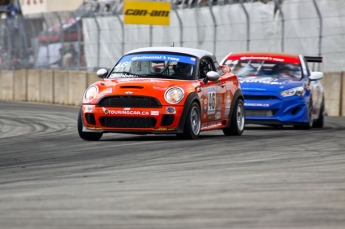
266	178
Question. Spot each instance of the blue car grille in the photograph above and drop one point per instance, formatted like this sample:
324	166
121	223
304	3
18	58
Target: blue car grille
261	113
259	97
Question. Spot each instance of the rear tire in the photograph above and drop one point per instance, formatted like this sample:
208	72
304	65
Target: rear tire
237	120
192	124
88	136
319	123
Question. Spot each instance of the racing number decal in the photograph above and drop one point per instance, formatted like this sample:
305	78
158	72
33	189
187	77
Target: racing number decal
211	100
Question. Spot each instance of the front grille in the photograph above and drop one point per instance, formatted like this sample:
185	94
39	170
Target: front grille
262	113
129	101
259	97
128	122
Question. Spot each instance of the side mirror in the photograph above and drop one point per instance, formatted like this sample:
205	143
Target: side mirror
102	73
212	76
316	76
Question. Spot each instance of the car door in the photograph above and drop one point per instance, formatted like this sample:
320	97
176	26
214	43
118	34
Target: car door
212	94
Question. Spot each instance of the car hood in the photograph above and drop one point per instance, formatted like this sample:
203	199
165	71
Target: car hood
142	83
259	83
141	87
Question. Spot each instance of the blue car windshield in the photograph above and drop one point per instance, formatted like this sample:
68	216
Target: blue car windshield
155	65
243	68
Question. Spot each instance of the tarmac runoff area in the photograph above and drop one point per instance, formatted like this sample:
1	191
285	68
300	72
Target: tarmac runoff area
266	178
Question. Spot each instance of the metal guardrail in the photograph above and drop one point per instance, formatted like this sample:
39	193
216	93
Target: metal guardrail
22	40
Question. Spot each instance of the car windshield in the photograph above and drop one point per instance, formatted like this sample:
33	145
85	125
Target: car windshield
243	68
155	65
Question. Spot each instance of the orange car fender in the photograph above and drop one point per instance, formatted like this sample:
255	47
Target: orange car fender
190	99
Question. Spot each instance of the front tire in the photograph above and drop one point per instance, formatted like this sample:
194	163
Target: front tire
308	125
237	120
88	136
192	125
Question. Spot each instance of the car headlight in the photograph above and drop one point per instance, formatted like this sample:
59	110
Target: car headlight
297	91
91	93
173	95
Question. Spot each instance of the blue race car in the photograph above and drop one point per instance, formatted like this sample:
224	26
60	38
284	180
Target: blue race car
279	88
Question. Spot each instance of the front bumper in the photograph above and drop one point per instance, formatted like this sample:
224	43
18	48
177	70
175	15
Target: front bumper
270	108
162	120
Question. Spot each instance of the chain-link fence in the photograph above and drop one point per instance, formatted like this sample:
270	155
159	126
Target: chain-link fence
94	35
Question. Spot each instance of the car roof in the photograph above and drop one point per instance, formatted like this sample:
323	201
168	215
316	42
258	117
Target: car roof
183	50
277	56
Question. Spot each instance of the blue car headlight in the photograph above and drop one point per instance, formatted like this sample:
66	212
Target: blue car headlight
296	91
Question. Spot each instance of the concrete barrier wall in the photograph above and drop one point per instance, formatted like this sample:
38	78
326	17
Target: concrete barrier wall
333	89
7	85
33	85
20	85
47	86
61	87
77	82
67	87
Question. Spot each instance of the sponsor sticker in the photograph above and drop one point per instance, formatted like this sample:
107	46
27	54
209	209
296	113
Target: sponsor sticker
219	99
211	100
123	112
262	58
218	115
210	117
154	112
171	110
256	104
227	103
107	90
164	128
210	125
226	113
191	89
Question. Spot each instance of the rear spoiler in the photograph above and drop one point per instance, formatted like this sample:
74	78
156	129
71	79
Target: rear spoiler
315	59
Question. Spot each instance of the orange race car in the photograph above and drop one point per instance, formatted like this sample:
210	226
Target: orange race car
163	90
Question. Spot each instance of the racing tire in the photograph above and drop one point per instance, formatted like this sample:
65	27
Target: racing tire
319	123
237	120
192	124
308	125
88	136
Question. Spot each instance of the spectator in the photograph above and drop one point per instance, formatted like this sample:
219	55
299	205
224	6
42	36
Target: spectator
11	12
28	60
70	56
58	62
12	25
